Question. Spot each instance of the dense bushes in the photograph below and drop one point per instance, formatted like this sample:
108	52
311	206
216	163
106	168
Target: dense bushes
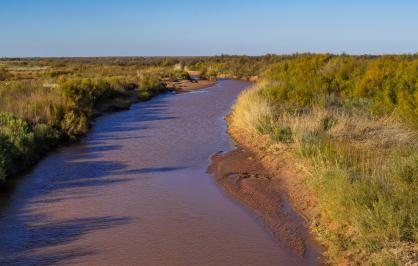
231	66
176	74
21	144
353	124
18	148
82	95
378	86
149	84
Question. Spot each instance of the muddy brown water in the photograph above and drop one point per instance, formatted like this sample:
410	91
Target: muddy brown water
135	192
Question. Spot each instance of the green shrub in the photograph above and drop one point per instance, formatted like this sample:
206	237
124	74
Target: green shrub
177	74
82	95
79	93
8	155
282	134
328	122
19	134
17	144
265	125
46	138
75	123
149	85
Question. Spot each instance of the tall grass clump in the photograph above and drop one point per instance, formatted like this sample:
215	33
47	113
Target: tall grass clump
150	84
252	112
352	122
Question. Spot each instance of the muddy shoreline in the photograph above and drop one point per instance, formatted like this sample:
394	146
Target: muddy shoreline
271	188
189	85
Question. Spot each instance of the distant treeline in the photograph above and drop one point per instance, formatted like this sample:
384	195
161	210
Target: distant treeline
210	67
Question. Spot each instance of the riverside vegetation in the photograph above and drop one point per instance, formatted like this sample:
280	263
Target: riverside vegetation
351	122
45	102
48	102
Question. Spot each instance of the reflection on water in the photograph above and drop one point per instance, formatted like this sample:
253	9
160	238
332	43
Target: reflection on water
135	192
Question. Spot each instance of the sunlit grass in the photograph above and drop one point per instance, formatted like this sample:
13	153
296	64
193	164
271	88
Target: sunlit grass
364	172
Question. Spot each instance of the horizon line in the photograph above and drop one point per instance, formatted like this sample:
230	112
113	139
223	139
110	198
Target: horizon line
214	55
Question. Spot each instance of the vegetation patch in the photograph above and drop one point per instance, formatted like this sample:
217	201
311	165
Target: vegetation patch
45	109
353	124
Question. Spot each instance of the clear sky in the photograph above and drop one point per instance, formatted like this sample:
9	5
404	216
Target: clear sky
157	27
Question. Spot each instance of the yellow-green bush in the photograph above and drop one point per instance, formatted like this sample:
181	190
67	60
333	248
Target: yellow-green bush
149	84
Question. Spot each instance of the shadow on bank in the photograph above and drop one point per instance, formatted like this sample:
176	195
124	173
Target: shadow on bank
73	172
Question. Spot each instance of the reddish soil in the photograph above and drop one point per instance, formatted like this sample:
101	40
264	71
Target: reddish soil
187	85
266	183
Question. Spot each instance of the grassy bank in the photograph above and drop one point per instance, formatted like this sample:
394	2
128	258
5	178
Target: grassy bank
352	124
37	115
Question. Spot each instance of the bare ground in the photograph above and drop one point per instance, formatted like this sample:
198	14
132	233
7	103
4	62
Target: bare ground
270	183
187	85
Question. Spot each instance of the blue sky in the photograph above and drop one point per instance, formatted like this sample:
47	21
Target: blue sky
157	27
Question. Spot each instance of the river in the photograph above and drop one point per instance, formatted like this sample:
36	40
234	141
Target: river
135	192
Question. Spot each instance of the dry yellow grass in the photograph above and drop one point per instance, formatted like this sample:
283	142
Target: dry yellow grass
362	169
251	108
30	100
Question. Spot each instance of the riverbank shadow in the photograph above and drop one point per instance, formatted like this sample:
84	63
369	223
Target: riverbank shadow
31	233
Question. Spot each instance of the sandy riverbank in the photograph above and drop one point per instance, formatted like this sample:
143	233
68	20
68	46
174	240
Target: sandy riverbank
271	187
188	85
